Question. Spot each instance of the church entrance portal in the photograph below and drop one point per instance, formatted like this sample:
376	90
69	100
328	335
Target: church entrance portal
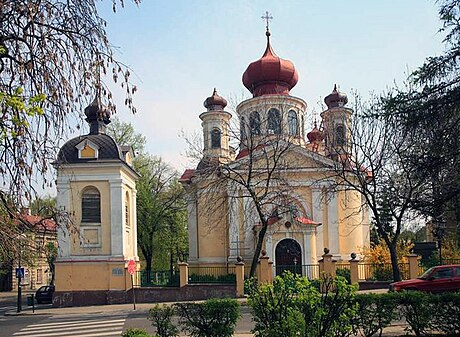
288	256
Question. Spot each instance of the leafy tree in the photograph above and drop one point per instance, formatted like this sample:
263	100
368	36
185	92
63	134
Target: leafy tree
51	253
161	217
45	206
53	55
160	200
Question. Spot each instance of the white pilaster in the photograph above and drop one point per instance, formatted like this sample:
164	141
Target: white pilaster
317	210
134	226
116	217
233	230
192	226
63	206
333	223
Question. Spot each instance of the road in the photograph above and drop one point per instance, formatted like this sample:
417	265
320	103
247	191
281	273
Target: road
95	321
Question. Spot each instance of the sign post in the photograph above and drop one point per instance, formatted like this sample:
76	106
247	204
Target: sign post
131	271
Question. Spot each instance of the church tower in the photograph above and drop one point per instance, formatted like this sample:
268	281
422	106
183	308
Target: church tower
96	188
215	124
337	125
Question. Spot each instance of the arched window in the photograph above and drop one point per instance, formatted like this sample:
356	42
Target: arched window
274	121
215	139
340	135
254	123
243	130
91	206
127	211
293	123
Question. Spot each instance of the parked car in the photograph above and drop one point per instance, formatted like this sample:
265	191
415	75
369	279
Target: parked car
44	294
436	279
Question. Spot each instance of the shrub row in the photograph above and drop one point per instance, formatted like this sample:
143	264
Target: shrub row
212	318
294	306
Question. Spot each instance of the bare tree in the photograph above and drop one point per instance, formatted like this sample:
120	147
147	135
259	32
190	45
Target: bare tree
54	57
381	170
259	173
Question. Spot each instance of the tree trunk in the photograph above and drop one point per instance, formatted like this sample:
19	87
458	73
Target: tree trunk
260	242
148	267
394	262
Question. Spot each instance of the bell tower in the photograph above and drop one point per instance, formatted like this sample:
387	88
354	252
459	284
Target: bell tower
96	187
215	124
337	125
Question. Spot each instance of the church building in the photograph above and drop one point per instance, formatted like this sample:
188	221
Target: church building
273	167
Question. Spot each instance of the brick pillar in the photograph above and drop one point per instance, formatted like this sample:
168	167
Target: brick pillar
328	265
239	271
270	272
413	265
183	273
264	270
354	271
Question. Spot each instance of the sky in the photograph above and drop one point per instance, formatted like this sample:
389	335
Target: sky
180	50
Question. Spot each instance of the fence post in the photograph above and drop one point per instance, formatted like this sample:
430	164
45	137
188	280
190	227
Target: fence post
263	268
239	271
270	272
413	265
354	276
183	273
327	264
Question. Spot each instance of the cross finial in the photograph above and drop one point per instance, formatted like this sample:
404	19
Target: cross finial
267	17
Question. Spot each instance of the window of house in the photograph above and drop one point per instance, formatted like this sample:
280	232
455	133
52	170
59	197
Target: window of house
39	276
127	211
91	206
274	121
340	135
254	123
293	123
215	139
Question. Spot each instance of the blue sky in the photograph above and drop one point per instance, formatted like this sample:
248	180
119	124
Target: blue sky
180	50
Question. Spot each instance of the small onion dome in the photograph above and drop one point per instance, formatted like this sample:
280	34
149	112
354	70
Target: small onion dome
97	116
315	135
336	99
215	102
270	75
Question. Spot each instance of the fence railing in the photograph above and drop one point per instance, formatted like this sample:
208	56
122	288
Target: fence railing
165	278
211	274
381	271
310	271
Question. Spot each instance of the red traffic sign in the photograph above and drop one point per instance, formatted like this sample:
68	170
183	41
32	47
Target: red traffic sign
132	267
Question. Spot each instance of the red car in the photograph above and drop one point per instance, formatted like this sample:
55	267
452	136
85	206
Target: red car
435	279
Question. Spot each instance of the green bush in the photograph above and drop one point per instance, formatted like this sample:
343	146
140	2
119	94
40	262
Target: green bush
345	273
273	306
161	320
250	285
374	313
135	333
447	313
212	318
418	309
382	273
293	306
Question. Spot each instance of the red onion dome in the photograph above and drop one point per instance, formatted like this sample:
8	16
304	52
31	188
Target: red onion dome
215	102
315	135
336	99
270	75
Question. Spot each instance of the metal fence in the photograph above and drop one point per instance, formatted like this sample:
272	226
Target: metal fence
164	278
310	271
211	274
381	271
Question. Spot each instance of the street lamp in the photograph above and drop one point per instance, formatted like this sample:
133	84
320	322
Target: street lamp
439	231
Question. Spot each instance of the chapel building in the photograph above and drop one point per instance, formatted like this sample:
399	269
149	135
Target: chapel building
312	217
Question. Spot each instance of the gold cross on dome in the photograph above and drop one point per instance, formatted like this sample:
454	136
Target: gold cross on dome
267	17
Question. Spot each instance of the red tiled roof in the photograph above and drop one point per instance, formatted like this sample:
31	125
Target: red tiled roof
39	223
306	221
187	176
